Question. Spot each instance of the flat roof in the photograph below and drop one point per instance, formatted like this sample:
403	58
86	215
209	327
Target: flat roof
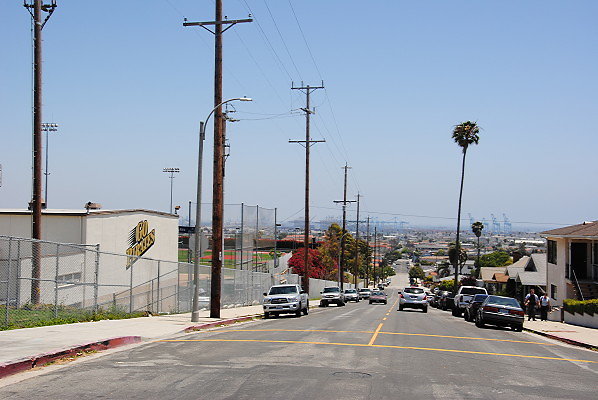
83	212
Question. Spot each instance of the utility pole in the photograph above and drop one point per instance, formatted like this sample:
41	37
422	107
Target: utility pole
341	267
218	175
307	143
36	8
375	252
356	244
367	269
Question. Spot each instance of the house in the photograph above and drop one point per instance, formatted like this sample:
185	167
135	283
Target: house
572	262
518	278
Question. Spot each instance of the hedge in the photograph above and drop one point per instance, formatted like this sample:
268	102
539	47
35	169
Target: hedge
581	307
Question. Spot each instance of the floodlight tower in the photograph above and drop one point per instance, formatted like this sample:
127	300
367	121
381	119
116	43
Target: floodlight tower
171	171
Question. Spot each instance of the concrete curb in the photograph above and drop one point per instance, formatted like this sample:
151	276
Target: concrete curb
223	322
562	339
12	367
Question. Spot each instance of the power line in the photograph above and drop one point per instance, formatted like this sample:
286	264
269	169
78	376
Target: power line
283	41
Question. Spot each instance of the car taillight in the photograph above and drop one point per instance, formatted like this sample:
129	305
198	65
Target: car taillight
425	298
517	312
490	309
401	296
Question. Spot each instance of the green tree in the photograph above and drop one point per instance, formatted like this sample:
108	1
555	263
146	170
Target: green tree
464	134
416	272
446	285
495	259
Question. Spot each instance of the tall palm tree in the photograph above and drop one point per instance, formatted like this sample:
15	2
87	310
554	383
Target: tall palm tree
477	228
464	134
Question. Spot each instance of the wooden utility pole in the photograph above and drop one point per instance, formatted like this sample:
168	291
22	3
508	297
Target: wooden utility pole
341	267
375	252
367	240
218	167
356	244
36	8
307	143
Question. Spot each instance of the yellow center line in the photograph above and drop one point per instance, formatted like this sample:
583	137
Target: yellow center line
375	335
379	346
382	333
384	319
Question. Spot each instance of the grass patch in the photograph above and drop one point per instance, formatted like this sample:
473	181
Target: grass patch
30	316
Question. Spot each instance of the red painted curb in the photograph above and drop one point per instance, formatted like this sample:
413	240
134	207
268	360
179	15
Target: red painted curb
562	339
220	323
12	367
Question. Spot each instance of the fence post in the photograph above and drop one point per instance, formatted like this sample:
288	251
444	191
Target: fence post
178	286
158	290
131	290
56	281
84	278
18	280
241	265
96	279
8	281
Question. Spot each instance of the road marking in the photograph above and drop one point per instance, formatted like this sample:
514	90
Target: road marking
383	333
379	346
384	319
375	335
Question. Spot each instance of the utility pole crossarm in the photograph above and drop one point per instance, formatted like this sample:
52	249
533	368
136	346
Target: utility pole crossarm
230	24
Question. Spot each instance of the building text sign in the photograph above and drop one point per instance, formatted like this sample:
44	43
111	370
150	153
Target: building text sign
140	241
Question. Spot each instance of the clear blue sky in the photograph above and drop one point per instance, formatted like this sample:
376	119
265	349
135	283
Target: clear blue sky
128	86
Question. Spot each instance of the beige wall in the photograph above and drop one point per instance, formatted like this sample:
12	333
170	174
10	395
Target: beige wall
55	228
555	273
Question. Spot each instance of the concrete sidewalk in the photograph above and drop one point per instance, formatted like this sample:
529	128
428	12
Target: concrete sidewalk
23	345
572	334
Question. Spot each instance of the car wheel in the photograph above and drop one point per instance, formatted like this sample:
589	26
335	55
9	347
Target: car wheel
266	315
465	316
298	312
478	322
370	302
425	309
517	328
400	308
306	309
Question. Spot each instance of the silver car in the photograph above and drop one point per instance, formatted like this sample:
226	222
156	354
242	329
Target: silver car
330	295
413	297
351	295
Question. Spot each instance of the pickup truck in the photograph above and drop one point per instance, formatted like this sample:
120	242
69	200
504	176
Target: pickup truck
285	299
463	296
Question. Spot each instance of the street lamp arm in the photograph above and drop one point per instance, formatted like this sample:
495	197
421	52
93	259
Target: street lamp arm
224	102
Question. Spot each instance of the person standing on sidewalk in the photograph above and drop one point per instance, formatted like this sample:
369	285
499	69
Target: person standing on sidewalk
544	307
531	302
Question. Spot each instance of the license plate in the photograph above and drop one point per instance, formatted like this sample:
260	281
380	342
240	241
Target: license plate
503	311
279	307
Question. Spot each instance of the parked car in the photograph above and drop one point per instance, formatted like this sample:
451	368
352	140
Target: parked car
413	297
464	294
332	295
472	307
378	297
351	295
364	293
442	299
500	311
285	299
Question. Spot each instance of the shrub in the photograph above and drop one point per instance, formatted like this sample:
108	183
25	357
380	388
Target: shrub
581	307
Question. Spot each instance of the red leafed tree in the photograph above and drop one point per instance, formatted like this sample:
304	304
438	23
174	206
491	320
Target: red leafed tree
316	268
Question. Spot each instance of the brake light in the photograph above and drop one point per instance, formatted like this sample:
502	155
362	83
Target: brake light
425	298
401	295
517	312
490	309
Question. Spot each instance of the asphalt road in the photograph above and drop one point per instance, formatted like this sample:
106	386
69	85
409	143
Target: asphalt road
359	351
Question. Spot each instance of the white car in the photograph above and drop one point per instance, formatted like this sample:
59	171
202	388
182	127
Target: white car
285	299
413	297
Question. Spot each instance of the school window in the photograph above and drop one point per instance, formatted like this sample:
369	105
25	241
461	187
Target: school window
553	291
69	279
551	256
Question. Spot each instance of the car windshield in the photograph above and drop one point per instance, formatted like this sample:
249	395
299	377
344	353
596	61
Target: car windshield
473	290
503	301
283	290
350	291
378	294
413	290
364	290
331	290
480	297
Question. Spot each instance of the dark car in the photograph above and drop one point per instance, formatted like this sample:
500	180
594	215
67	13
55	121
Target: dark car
500	311
472	307
378	297
444	300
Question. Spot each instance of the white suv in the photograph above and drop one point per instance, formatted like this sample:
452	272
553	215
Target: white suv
413	297
285	299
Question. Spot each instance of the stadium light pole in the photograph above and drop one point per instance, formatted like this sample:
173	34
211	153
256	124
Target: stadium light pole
202	136
171	171
48	127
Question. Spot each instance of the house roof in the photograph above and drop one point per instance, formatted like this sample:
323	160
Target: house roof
488	273
500	277
534	273
585	229
83	212
515	268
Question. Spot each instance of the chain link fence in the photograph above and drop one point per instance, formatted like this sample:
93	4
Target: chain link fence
42	281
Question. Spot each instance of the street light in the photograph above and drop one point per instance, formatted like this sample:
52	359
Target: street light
48	127
202	136
171	171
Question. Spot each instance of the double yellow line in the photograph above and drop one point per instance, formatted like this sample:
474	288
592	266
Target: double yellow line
377	331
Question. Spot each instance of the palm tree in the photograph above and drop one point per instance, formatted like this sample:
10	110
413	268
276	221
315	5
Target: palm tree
464	134
477	228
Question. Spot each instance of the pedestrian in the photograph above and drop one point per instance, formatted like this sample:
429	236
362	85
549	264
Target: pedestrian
544	307
531	302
